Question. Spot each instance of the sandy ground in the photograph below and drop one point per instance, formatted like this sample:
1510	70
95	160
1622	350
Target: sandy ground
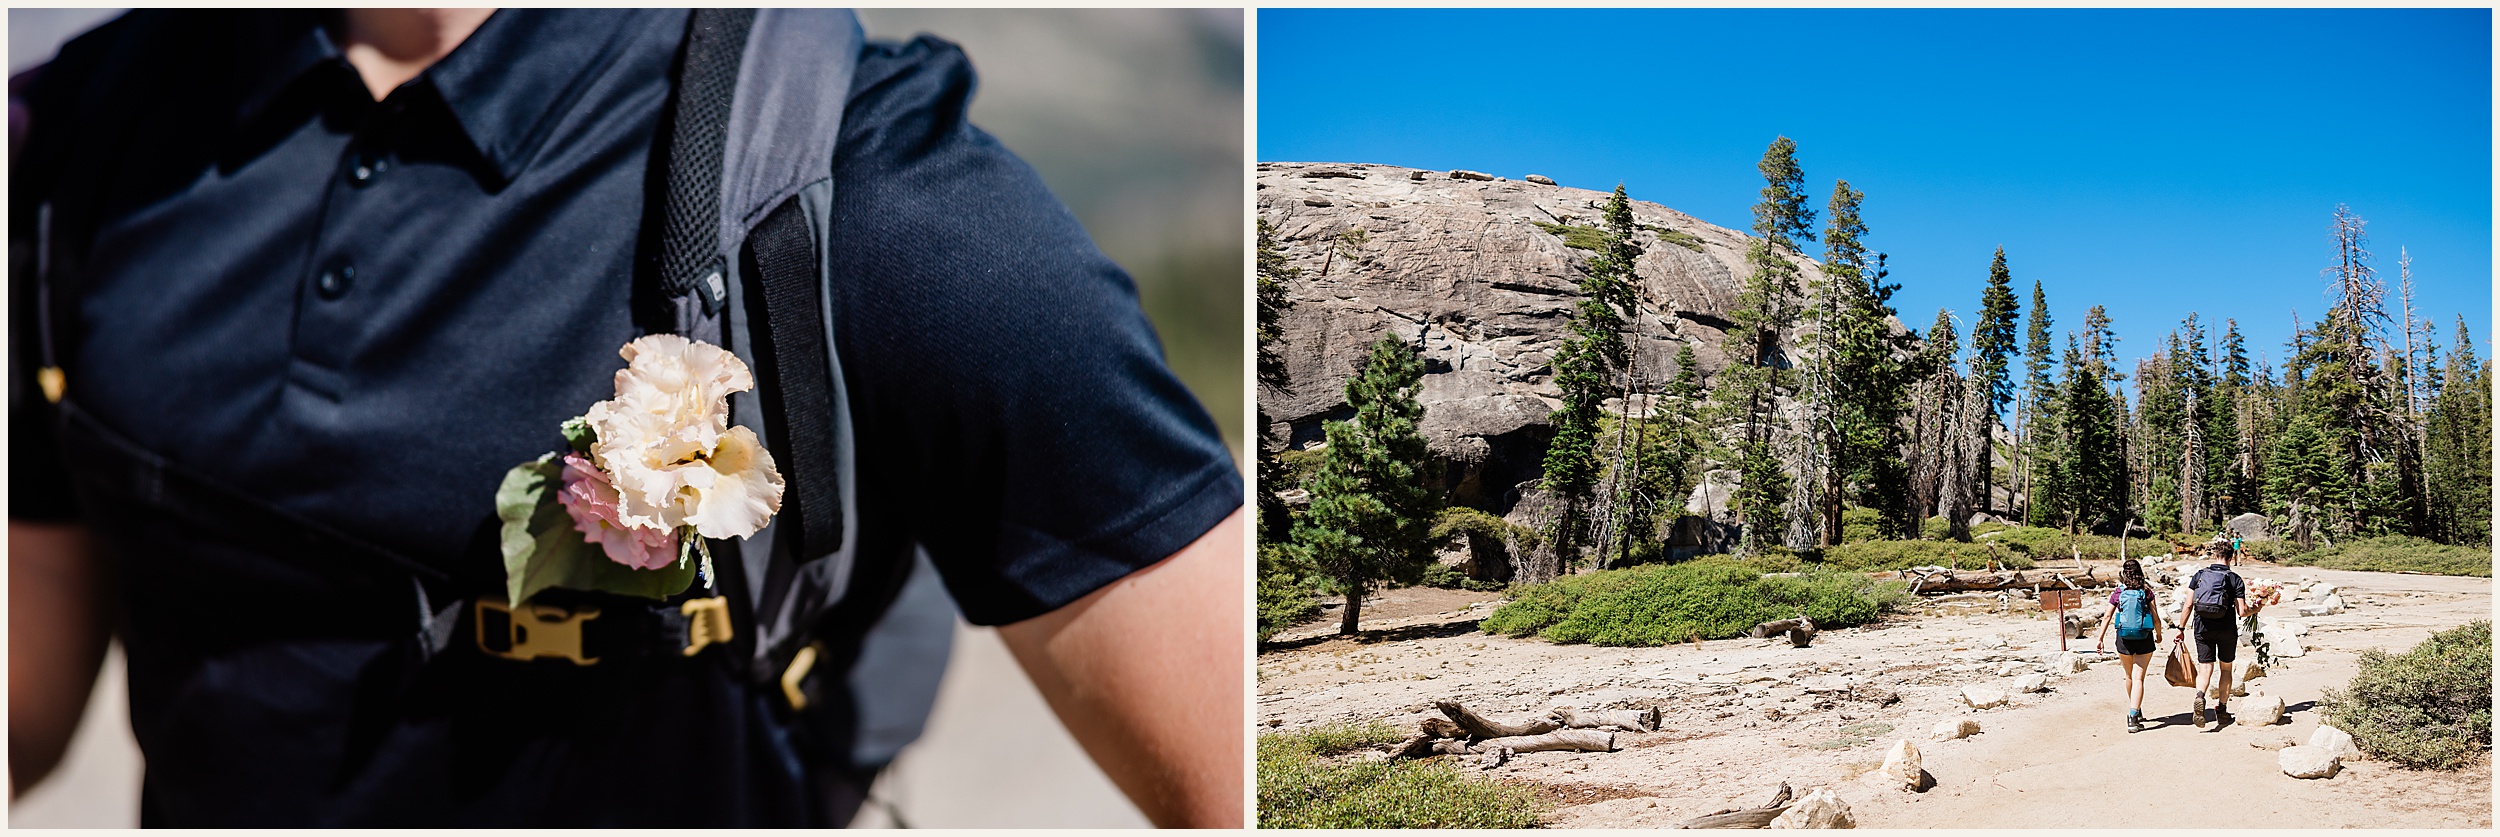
1741	716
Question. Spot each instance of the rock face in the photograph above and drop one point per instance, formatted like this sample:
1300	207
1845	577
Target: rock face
2251	527
1458	262
1820	809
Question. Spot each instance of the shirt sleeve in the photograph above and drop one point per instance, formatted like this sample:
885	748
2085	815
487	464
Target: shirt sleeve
1010	399
39	484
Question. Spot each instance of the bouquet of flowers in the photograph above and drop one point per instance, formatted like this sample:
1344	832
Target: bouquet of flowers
647	476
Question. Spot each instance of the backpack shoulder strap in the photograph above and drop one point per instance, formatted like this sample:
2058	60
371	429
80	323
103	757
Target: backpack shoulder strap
753	122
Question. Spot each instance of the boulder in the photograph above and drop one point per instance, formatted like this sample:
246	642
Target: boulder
2251	527
1983	697
2009	669
2334	604
1948	730
2307	762
2030	683
2072	663
1902	765
2263	710
1540	180
2335	742
1463	174
1820	809
1418	175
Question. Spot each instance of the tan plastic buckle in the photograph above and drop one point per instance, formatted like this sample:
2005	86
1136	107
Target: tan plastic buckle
707	622
538	630
796	674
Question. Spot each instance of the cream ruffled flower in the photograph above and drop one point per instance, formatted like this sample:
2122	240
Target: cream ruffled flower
666	442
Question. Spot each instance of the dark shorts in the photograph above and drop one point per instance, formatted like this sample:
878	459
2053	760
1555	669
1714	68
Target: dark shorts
2217	639
2135	646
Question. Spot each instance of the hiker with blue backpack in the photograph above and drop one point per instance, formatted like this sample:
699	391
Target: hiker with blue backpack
2216	600
2132	609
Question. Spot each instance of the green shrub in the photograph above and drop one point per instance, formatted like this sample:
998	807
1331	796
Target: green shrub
2050	545
1710	598
1451	578
1859	523
1298	465
1286	597
1575	236
1871	556
2426	708
1301	786
2391	553
1774	559
1678	238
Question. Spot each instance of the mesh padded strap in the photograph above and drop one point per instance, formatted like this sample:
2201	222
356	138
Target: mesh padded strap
790	346
707	80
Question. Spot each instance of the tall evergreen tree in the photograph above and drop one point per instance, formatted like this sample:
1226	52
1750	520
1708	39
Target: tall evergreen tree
2458	449
1992	344
1273	273
2036	392
1585	370
1767	308
2095	468
1372	504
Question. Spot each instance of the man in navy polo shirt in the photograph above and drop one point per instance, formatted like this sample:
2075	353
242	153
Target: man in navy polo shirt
354	265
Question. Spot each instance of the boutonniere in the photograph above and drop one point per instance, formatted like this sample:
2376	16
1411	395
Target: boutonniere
649	475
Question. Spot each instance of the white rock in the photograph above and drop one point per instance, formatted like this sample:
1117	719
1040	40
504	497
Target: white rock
1541	180
1820	809
2306	762
2009	669
2264	710
1992	641
2312	609
1956	728
2029	683
2072	663
1983	697
2334	604
2288	646
2335	742
1902	764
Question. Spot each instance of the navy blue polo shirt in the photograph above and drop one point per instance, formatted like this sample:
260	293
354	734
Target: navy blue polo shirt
363	312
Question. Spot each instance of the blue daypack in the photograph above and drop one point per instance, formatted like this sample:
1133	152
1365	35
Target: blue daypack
2135	614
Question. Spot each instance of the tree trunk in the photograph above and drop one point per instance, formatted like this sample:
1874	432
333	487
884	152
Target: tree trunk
1353	612
1581	740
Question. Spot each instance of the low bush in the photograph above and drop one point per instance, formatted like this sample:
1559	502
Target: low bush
1451	578
1859	524
1678	238
1575	236
1872	556
1302	785
2392	553
1286	597
2426	708
1298	466
1710	598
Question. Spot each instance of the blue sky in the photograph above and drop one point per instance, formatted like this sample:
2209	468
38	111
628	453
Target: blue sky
2156	162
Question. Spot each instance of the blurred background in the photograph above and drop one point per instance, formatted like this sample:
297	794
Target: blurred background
1134	118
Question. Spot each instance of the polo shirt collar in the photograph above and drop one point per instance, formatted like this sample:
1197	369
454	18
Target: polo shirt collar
507	85
511	82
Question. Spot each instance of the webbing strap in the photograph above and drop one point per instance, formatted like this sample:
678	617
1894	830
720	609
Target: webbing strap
790	346
689	252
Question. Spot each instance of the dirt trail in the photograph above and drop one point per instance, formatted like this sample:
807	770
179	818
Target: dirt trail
1741	716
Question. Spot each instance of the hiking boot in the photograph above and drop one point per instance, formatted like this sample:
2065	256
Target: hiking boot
2200	710
2222	715
2135	721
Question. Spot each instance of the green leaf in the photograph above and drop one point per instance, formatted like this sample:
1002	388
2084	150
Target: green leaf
541	549
579	435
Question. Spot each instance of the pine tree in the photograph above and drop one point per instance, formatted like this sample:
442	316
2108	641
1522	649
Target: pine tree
1766	309
2095	468
1274	522
1372	506
2036	393
1992	344
1584	370
2458	453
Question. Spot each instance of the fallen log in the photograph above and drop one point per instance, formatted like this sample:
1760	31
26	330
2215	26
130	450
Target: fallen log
1479	727
1414	747
1581	740
1743	818
1950	581
1633	720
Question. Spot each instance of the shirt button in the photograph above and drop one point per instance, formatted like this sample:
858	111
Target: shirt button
365	167
332	283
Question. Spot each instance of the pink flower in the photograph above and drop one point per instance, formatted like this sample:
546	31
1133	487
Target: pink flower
592	501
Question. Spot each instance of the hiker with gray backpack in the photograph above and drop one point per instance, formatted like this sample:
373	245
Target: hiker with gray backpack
2132	609
2216	600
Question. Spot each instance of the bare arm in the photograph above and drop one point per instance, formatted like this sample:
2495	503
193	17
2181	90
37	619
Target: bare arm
57	630
1147	674
2102	641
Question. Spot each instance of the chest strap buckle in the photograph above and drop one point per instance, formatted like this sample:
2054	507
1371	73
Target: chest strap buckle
707	622
532	631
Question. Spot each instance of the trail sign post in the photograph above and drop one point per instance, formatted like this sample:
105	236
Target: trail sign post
2060	601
